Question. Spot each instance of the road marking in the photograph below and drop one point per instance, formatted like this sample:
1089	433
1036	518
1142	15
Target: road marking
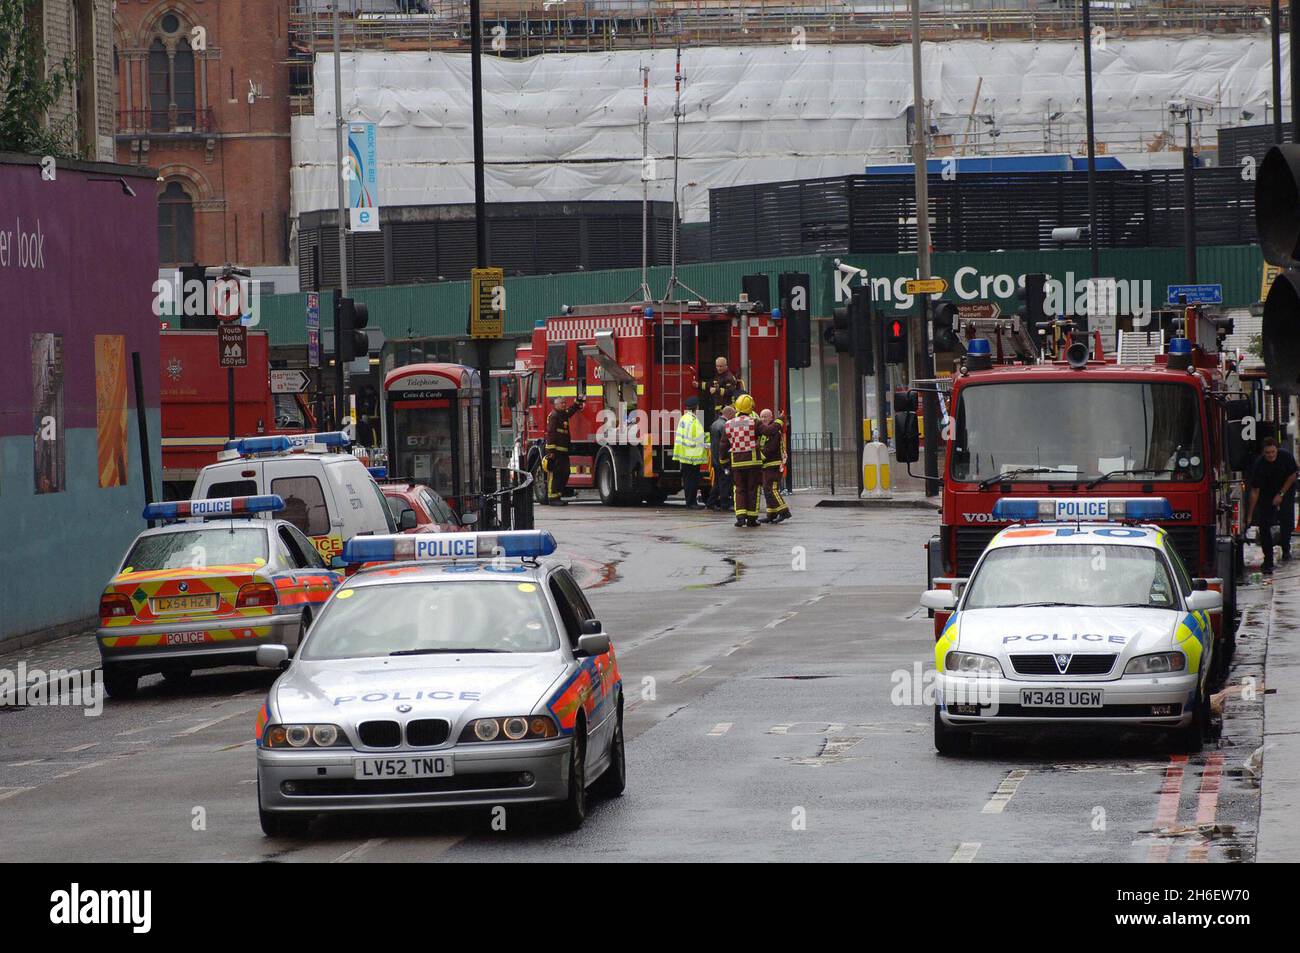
692	673
1207	805
720	729
355	852
24	764
6	793
1005	792
76	748
77	770
1171	792
194	729
965	854
738	646
785	618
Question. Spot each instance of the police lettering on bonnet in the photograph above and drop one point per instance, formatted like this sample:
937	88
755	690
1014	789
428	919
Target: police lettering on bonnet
1075	625
451	670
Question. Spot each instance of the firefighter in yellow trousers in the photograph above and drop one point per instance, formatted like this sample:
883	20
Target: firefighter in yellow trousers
772	451
740	441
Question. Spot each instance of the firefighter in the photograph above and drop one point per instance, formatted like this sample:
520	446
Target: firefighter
771	449
720	492
740	442
725	386
688	450
556	460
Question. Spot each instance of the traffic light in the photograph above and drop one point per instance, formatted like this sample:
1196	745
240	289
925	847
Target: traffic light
943	315
896	341
1277	219
1033	298
861	333
839	332
353	318
793	294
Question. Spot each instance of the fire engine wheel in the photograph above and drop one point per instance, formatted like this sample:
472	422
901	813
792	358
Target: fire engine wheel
605	483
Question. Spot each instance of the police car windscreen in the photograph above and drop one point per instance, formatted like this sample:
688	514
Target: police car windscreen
1081	429
198	549
1071	575
433	618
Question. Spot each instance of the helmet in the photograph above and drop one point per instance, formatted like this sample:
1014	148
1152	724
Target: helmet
744	404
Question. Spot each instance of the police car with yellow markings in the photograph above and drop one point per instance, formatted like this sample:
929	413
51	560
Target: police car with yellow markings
1066	623
451	670
206	588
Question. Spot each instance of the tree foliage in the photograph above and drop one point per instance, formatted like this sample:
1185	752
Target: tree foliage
29	89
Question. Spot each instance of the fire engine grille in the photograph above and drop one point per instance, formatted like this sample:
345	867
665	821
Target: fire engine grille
1187	542
971	541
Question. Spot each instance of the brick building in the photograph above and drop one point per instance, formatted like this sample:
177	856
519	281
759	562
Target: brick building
80	31
202	93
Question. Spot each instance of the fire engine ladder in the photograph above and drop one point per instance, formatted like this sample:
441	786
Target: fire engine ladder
670	385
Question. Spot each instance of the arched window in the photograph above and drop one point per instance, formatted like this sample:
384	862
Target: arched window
171	77
175	226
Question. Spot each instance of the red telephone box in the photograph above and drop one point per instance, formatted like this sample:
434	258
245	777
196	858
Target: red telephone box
432	427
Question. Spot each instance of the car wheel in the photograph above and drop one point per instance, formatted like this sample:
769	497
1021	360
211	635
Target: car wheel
119	683
949	742
281	825
1189	740
614	780
574	809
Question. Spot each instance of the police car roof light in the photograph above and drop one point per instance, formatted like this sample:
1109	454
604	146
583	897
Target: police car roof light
515	544
250	445
218	506
379	473
333	438
1049	509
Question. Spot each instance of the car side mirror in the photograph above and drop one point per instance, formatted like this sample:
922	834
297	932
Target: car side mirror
336	562
407	519
469	519
273	656
1205	600
939	599
592	627
593	643
907	437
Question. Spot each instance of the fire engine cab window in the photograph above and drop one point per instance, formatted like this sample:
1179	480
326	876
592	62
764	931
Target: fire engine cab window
556	362
232	488
304	504
1079	430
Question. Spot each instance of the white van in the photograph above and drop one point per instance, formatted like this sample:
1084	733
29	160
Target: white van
328	493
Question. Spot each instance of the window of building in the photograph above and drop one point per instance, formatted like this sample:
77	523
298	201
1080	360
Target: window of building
172	102
175	226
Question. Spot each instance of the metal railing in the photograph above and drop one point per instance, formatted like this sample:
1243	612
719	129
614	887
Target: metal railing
178	121
511	506
819	461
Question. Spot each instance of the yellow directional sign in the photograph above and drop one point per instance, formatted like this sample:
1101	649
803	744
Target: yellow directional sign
926	286
1266	280
487	302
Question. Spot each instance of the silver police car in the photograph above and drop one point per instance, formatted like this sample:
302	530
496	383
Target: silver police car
451	670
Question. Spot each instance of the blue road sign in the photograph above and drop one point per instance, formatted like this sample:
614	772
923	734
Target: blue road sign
1196	294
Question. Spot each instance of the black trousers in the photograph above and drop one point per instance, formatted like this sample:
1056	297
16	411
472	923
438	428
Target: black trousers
720	493
691	483
557	474
1265	520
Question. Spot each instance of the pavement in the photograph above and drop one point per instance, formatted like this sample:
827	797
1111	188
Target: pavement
776	711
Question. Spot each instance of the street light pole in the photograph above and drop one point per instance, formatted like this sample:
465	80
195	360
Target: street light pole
480	240
922	346
340	373
1092	139
1275	24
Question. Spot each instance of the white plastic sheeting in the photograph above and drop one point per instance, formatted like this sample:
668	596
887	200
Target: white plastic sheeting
565	127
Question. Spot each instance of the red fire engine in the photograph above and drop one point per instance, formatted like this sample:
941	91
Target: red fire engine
636	364
1070	424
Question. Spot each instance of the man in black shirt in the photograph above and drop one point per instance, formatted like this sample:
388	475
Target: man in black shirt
1271	480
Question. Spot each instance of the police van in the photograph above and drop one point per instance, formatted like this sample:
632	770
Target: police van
328	493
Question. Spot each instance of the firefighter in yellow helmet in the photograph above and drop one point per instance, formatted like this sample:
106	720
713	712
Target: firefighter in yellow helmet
740	441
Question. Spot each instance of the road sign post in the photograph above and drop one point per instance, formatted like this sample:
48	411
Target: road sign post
313	329
487	305
292	381
1195	294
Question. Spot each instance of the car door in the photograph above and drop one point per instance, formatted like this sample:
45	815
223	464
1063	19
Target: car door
600	668
307	506
318	580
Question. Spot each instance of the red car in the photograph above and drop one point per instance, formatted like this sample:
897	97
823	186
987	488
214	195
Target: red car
418	509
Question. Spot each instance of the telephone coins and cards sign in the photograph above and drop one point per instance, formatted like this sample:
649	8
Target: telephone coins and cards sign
485	320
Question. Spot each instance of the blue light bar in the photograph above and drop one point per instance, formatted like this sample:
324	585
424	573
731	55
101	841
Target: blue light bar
979	346
250	445
332	438
219	506
776	314
1180	346
1073	509
517	544
379	473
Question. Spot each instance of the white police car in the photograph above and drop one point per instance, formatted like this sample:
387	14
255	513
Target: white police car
1070	623
455	669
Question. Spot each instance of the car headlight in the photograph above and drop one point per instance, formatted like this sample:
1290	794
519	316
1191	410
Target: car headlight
510	728
968	663
1161	663
304	736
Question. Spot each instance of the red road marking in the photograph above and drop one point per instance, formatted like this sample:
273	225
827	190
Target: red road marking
1171	789
1207	804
